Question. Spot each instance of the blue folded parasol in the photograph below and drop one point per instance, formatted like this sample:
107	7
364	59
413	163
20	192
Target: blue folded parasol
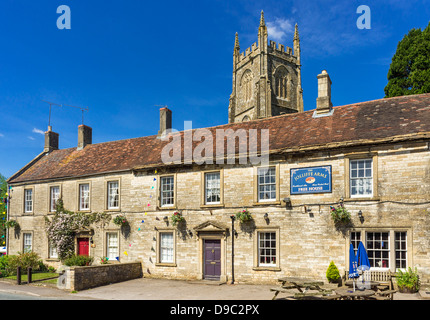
352	263
362	258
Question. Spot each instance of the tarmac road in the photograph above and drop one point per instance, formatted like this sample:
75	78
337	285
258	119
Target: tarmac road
154	289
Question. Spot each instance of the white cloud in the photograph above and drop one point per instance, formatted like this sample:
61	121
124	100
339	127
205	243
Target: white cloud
35	130
31	138
280	28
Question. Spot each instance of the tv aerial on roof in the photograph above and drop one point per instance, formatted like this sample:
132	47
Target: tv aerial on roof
83	109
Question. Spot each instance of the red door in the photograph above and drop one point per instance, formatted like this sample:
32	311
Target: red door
83	246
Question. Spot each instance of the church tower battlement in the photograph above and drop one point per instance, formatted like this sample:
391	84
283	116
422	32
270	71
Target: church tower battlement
266	78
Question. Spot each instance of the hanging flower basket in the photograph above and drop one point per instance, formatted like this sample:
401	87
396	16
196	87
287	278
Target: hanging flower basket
120	220
11	224
177	218
243	216
340	215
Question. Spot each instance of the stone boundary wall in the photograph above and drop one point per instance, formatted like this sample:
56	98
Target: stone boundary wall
81	278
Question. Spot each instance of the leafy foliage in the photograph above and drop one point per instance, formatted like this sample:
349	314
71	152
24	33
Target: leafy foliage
244	216
332	273
408	280
3	215
24	260
4	266
176	218
120	220
340	214
80	261
62	228
409	71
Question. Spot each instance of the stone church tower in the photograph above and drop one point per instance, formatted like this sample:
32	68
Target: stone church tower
266	79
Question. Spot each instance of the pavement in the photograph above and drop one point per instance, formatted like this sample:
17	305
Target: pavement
159	289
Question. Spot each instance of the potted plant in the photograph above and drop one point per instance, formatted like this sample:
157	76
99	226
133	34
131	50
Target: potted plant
244	216
340	214
332	273
120	220
408	281
177	218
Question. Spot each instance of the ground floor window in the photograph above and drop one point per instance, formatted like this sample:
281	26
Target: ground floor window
112	248
401	250
53	254
28	242
355	240
267	248
385	248
378	249
166	247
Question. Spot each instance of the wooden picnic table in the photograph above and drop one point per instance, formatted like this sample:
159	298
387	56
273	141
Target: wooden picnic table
350	294
302	285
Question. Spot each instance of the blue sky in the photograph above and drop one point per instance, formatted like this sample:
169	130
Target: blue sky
123	59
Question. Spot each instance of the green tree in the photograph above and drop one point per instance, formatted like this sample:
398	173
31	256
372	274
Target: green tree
3	191
409	71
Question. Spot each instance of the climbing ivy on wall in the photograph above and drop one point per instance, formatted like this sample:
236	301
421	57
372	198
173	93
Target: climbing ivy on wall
62	228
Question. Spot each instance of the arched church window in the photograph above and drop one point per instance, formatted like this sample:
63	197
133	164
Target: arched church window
246	84
282	83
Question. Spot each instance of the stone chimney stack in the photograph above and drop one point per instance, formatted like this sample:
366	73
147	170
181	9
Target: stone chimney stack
85	136
165	121
324	104
51	140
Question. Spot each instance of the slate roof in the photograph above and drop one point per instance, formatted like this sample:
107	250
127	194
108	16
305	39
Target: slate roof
360	123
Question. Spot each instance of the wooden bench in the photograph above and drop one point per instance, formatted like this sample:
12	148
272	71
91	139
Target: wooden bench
383	277
385	287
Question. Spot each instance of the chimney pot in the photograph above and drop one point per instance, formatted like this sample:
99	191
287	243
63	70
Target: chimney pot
165	121
324	104
85	136
51	140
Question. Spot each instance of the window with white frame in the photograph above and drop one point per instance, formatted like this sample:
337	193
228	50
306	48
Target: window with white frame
53	254
112	248
28	242
266	184
355	240
267	249
378	249
361	178
167	194
113	194
84	196
28	200
166	247
54	196
212	188
400	249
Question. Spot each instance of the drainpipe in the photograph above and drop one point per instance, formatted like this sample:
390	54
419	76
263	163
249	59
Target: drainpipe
232	248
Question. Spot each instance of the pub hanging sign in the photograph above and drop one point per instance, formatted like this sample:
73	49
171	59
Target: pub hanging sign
310	180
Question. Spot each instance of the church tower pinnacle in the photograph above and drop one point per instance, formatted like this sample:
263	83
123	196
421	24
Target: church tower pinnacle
266	78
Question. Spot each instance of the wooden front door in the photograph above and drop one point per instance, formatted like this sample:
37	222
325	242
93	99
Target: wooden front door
212	259
83	246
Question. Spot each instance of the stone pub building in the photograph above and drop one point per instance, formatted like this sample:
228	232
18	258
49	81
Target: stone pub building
373	157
